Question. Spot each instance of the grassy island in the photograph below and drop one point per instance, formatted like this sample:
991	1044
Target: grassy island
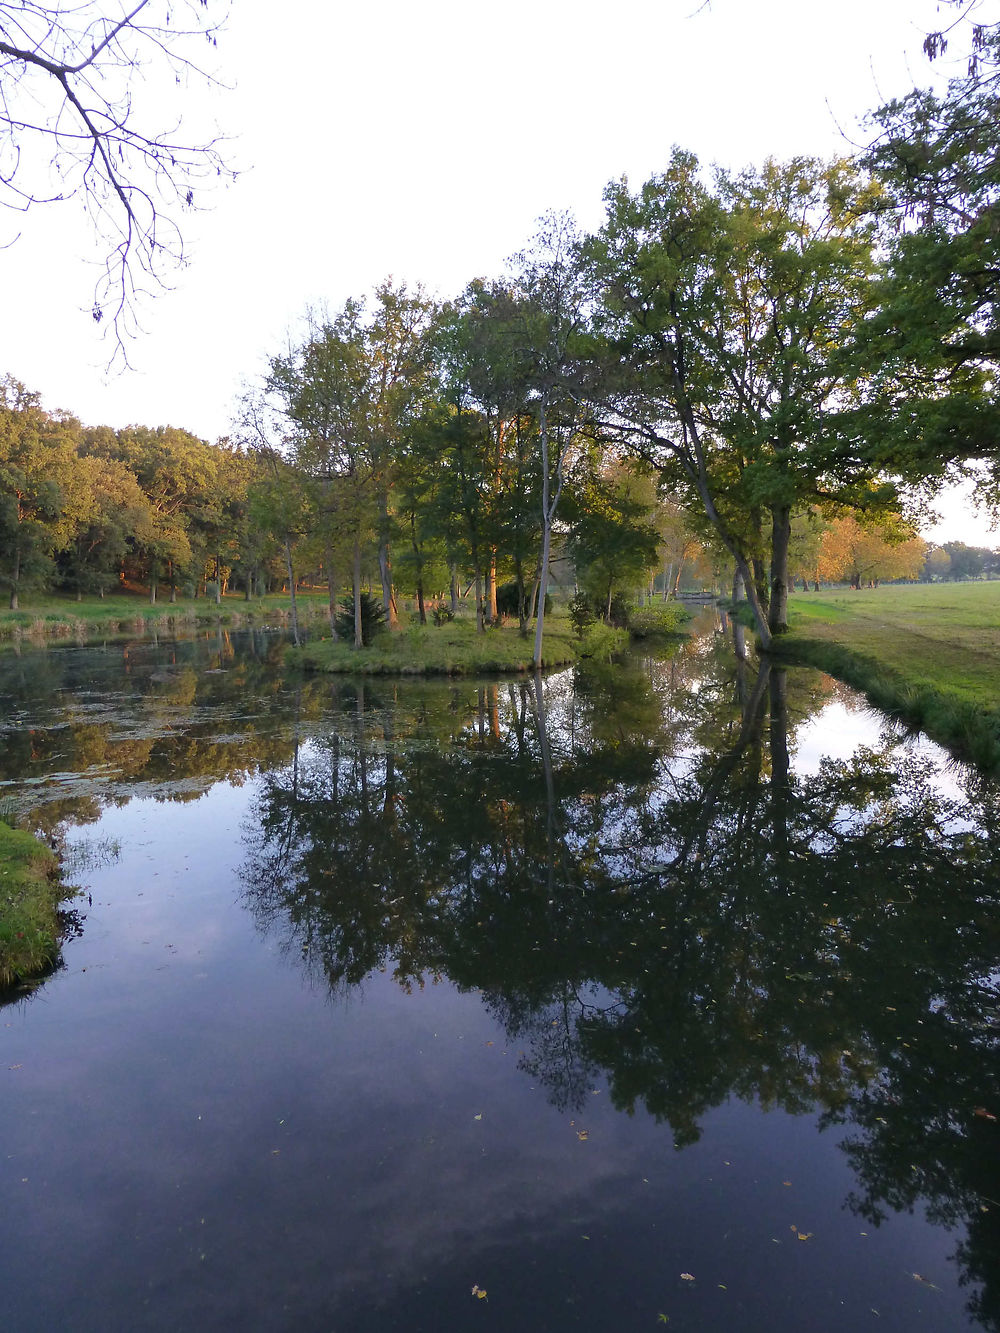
926	653
30	894
454	649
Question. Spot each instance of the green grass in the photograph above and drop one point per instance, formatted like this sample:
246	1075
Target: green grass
42	618
926	653
30	894
452	649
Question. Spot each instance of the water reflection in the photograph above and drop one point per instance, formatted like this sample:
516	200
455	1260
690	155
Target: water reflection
81	729
633	870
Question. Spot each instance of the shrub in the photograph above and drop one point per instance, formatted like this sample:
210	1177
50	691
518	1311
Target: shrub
442	615
507	599
591	608
648	622
601	640
372	618
581	614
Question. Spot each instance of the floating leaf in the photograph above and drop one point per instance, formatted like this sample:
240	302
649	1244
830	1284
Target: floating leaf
583	1134
479	1292
688	1277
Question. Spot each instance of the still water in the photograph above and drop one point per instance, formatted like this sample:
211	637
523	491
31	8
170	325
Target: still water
655	995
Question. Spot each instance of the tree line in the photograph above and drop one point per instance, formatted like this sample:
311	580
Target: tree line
760	366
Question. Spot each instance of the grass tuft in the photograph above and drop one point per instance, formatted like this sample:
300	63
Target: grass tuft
30	894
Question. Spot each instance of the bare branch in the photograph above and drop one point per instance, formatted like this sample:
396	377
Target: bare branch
69	128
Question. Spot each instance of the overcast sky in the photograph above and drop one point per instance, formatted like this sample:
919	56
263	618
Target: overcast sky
422	140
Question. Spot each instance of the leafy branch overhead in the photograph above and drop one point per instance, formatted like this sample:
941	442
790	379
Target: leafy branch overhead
82	88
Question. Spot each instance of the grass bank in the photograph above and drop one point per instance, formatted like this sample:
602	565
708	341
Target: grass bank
46	618
928	654
30	894
455	649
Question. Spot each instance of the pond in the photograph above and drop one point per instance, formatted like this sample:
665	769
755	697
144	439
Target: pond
662	994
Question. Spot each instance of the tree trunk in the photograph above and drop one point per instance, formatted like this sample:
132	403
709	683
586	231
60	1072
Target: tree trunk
453	589
781	532
760	582
331	589
291	589
418	561
491	588
541	588
359	641
480	617
384	563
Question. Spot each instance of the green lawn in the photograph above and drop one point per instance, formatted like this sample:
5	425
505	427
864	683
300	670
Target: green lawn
928	652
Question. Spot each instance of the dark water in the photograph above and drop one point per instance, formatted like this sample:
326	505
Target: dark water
661	993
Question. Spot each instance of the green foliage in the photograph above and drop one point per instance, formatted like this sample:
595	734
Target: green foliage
937	335
599	640
581	614
662	618
442	615
372	618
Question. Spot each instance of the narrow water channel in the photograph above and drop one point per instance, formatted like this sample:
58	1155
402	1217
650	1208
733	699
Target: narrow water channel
655	995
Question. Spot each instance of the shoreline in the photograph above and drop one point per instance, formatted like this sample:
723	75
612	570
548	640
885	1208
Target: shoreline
31	895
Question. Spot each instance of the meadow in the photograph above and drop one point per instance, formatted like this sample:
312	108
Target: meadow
927	653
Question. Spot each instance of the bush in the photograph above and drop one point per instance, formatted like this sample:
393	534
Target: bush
442	615
647	622
591	608
507	599
581	614
600	641
372	618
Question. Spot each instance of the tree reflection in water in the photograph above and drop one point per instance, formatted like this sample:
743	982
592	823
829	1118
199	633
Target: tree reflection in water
641	881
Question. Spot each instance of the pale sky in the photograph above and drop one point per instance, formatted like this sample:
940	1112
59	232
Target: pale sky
422	140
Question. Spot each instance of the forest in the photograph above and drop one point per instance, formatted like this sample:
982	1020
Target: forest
751	378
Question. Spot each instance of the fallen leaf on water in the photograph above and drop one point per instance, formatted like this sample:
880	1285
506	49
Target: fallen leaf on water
663	1319
583	1134
479	1292
478	1117
926	1281
786	1182
804	1235
688	1277
980	1111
